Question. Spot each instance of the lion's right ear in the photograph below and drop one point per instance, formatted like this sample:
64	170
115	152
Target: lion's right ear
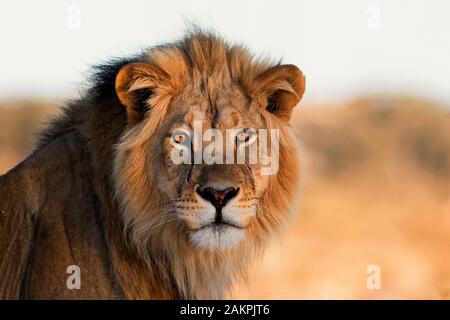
135	84
283	86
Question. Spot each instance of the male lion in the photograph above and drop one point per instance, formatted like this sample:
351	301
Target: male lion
102	193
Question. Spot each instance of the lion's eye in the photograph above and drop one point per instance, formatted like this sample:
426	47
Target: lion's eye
246	136
180	137
243	136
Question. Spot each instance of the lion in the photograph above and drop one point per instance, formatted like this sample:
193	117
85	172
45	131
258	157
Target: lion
102	193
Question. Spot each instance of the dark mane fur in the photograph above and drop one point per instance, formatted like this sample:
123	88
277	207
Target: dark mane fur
99	90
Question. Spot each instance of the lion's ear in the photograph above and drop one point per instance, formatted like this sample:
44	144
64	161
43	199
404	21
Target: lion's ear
135	83
283	86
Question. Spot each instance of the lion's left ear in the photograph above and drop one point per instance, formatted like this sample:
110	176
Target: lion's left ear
135	83
283	86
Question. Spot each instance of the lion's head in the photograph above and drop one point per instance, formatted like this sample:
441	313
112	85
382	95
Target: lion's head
195	208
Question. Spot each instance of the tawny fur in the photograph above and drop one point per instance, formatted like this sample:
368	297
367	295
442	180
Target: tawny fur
142	256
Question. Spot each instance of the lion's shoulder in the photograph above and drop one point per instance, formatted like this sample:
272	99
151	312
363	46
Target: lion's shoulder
49	209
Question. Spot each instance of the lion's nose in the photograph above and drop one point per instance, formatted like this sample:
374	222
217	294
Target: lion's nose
219	198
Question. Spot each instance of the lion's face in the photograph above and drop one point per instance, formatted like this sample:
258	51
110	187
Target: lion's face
215	202
230	182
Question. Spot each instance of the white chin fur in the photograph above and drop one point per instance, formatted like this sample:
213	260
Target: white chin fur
217	238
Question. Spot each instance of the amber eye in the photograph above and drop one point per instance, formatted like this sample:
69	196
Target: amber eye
181	136
243	136
246	136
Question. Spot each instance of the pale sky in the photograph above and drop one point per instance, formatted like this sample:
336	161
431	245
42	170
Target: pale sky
346	48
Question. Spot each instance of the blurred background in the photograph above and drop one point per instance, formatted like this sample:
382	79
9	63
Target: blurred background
374	123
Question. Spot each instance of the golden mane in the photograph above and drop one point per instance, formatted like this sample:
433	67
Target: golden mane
199	60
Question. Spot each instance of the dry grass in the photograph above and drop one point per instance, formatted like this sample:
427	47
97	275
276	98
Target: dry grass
377	192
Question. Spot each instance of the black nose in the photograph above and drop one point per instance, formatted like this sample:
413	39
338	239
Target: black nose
218	198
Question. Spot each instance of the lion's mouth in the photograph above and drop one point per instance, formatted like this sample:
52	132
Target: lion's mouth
219	226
